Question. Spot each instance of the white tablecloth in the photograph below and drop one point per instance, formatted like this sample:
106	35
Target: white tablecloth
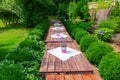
58	35
57	28
63	56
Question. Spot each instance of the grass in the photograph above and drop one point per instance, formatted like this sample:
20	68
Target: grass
1	24
10	38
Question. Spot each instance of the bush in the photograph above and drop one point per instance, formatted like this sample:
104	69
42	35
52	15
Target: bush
107	24
69	26
32	44
86	41
20	55
75	30
80	34
109	67
96	51
11	71
84	25
104	34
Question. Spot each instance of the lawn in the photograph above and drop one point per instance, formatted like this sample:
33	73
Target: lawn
10	38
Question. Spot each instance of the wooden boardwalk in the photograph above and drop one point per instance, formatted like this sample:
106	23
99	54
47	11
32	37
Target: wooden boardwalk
75	68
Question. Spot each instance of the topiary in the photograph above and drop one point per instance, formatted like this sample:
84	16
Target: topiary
86	41
75	30
96	51
80	34
11	71
109	67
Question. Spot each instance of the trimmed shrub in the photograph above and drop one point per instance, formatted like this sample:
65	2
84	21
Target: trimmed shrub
96	51
104	34
11	71
80	34
20	55
32	44
86	41
84	25
75	30
109	67
69	26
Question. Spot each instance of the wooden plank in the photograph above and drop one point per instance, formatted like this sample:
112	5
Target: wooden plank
93	76
87	66
60	77
71	61
65	66
86	77
50	77
69	77
58	65
77	77
44	64
78	62
51	63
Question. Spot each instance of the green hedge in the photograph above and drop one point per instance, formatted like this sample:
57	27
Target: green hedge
29	53
11	71
84	25
20	55
86	41
96	51
80	34
75	30
109	67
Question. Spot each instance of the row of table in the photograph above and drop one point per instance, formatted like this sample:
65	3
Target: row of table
53	64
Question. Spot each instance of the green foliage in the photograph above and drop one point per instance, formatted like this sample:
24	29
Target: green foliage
20	55
11	71
97	51
109	67
62	11
82	10
80	34
31	70
84	25
104	34
71	10
107	24
69	25
115	11
103	4
86	41
116	22
75	30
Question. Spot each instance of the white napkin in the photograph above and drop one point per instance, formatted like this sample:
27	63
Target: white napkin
58	35
57	28
63	56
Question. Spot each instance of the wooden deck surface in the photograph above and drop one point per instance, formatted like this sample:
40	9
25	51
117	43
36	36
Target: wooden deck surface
52	64
71	77
50	39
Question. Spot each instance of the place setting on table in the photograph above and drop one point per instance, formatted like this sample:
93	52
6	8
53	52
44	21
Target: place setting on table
63	52
57	26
